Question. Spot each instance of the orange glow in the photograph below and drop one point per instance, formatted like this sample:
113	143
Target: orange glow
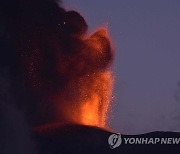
94	109
87	96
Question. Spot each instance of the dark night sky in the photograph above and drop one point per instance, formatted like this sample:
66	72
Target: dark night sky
146	35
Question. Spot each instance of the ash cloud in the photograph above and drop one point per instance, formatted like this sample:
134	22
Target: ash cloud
62	68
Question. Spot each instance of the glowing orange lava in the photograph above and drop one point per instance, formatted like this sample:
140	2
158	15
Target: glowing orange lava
88	90
96	87
94	109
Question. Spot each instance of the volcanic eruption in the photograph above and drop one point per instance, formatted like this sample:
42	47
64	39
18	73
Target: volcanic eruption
64	68
61	78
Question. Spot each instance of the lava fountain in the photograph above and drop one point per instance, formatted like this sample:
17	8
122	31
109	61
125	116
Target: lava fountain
88	94
95	86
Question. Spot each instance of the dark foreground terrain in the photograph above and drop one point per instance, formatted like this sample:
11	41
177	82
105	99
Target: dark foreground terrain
88	140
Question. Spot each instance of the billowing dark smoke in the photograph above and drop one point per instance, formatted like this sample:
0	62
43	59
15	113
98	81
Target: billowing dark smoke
65	69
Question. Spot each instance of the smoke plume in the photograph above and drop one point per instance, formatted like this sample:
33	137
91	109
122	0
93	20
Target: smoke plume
62	65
